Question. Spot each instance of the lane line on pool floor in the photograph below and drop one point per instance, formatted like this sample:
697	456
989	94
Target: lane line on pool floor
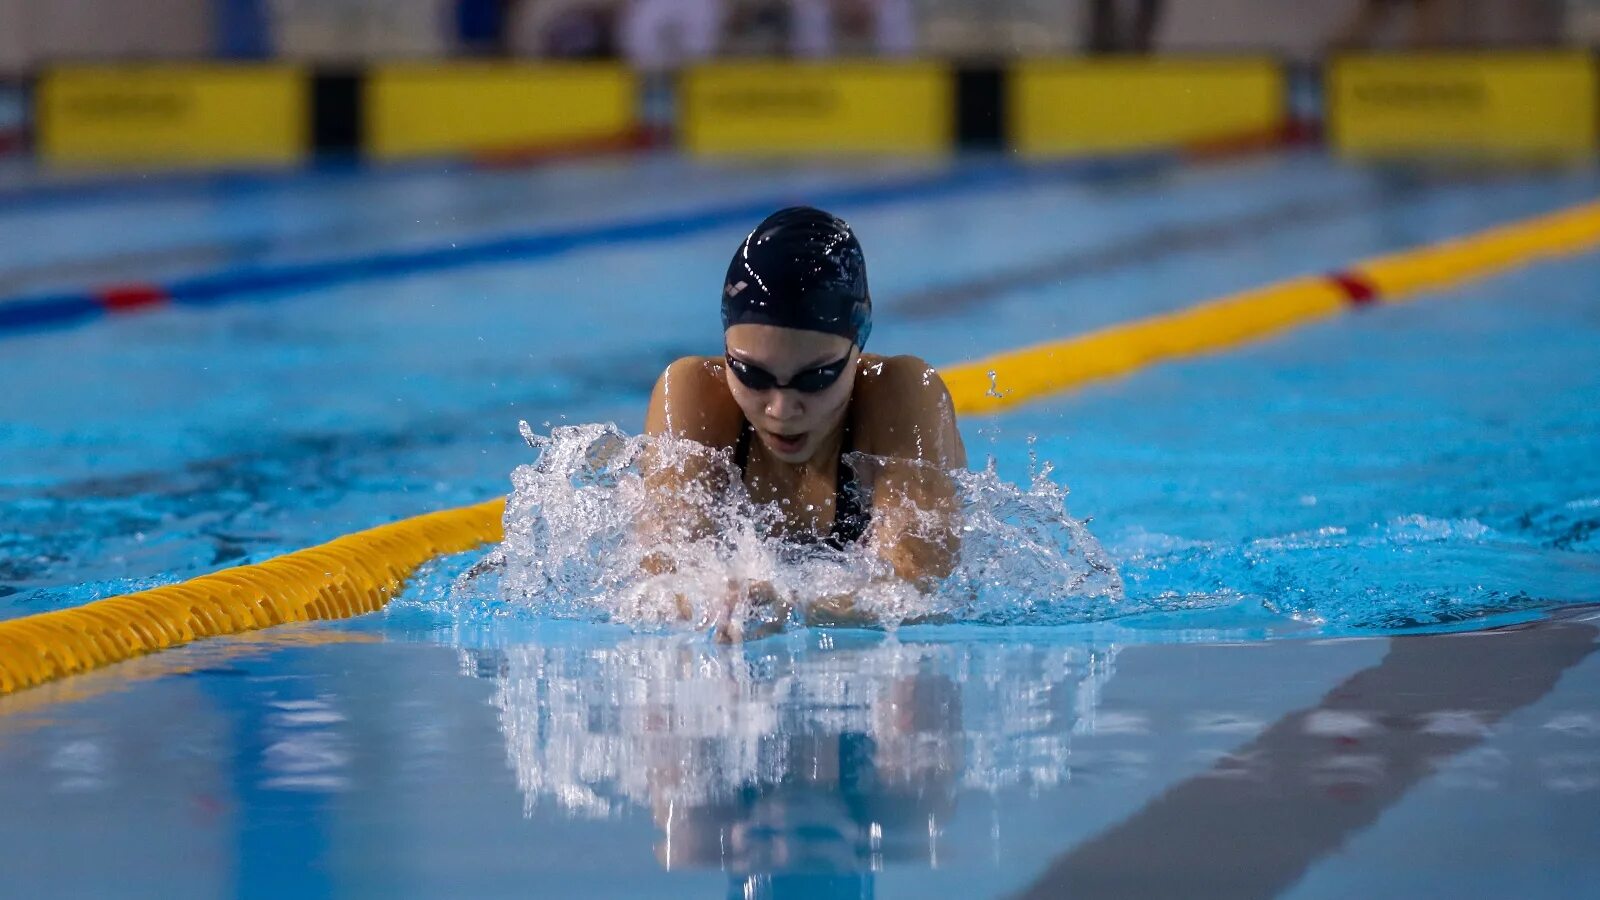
361	572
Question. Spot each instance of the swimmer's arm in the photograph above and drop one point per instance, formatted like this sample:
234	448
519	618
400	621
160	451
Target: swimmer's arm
916	526
915	522
906	414
691	403
907	417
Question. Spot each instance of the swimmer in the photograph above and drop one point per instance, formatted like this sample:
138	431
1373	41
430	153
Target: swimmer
793	393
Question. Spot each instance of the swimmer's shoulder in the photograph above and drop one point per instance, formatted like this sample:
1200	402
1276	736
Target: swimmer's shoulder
691	400
896	382
903	409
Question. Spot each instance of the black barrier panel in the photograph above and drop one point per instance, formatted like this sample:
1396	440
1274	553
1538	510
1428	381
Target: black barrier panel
336	113
980	108
16	115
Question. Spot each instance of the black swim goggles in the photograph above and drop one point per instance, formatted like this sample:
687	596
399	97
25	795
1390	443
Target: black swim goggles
807	381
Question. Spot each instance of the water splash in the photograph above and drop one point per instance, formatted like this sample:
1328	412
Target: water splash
573	551
1411	572
583	531
994	386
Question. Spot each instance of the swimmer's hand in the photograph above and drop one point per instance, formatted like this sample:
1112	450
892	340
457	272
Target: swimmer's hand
843	610
493	562
839	612
753	609
658	563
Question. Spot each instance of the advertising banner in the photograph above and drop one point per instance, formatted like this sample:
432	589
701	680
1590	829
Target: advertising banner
173	115
414	110
1080	107
1486	104
806	109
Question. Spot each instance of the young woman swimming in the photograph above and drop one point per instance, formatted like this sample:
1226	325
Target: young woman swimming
793	393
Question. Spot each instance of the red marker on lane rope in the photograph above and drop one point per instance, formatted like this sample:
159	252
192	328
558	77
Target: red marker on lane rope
1358	290
125	297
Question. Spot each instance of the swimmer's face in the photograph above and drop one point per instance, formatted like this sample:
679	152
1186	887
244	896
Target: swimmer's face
789	422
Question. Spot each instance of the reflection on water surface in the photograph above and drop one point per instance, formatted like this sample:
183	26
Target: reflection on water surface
813	765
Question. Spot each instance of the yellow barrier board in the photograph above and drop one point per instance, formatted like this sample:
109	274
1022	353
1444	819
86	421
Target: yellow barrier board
1539	105
173	115
414	110
774	109
1073	107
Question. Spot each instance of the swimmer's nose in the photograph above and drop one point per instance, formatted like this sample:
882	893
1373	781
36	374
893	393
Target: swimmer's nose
784	404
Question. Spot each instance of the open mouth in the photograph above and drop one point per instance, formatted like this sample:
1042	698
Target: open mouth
786	443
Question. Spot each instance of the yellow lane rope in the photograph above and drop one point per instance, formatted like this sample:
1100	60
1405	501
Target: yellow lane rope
360	572
1043	369
348	576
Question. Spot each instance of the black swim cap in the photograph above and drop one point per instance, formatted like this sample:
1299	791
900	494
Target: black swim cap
800	268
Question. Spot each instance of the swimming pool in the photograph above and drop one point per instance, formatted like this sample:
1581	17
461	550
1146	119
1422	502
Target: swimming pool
1265	715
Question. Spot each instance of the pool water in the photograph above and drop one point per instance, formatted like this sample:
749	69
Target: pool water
1359	559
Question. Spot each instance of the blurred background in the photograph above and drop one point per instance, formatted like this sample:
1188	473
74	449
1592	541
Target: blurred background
283	82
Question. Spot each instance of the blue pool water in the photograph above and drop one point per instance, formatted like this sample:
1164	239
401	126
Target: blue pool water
1358	558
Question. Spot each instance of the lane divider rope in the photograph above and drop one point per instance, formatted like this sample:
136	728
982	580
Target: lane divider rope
29	312
1042	369
348	576
361	572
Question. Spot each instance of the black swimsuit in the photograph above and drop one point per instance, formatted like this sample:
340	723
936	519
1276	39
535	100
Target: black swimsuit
850	519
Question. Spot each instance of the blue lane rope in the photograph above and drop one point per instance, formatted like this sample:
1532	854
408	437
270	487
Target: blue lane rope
263	282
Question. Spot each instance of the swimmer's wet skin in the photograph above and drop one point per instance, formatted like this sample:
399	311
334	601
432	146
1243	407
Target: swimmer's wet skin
790	397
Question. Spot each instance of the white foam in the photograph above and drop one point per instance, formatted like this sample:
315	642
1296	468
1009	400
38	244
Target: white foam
580	523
